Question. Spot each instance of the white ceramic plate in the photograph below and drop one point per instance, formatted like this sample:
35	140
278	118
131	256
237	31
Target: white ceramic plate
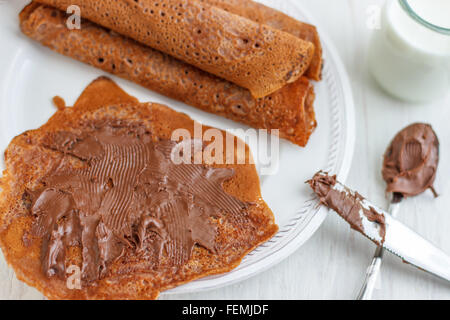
31	75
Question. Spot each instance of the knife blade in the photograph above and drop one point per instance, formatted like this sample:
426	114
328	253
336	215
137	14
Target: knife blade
391	234
414	249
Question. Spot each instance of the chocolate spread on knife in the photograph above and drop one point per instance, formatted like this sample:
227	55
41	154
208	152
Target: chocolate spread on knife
349	205
411	160
126	194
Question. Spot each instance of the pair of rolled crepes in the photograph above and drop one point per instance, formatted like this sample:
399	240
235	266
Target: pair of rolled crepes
197	52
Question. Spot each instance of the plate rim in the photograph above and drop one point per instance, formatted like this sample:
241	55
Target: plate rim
343	167
221	280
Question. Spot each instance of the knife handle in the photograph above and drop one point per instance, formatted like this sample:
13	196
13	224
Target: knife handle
372	273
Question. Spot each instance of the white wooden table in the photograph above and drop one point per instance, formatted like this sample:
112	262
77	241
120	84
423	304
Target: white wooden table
331	265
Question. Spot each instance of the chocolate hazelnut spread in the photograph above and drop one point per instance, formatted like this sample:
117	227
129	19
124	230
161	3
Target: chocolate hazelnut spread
411	160
349	205
125	194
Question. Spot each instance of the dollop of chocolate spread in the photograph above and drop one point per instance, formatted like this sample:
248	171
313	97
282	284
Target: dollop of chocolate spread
127	194
348	204
411	161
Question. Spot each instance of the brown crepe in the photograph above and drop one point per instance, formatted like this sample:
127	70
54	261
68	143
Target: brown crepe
290	109
262	14
251	55
61	152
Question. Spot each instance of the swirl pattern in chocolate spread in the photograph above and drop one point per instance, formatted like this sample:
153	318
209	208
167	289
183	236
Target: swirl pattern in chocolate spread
129	194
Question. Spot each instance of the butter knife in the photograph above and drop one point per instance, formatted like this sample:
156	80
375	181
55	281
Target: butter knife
392	235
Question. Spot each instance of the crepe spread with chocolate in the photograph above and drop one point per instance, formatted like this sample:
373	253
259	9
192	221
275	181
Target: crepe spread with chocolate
96	188
130	187
410	162
348	204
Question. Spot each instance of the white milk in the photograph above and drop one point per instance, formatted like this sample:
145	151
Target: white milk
409	60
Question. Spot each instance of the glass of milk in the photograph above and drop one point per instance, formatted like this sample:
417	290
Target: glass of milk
409	55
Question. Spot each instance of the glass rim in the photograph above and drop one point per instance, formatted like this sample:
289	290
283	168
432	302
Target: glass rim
405	5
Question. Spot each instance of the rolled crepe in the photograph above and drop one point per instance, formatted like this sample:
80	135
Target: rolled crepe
262	14
251	55
290	109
